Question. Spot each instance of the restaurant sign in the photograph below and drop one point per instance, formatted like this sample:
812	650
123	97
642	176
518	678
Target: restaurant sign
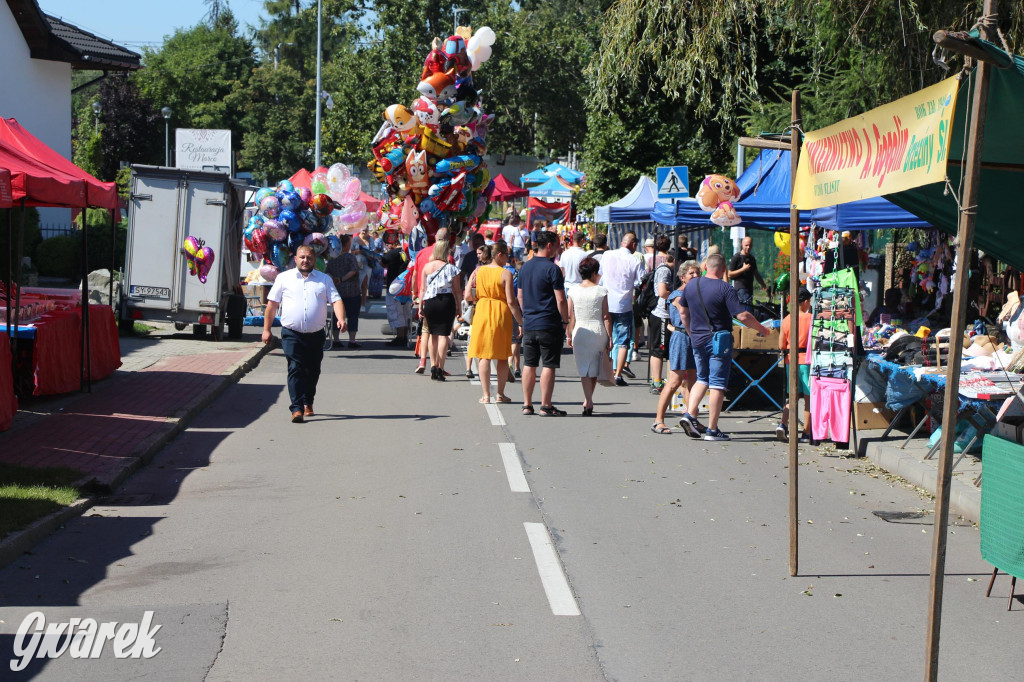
200	149
897	146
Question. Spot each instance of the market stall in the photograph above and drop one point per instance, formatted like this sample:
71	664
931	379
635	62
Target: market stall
631	213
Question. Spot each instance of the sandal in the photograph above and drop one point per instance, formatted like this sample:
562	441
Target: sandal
485	400
660	428
502	399
528	410
551	411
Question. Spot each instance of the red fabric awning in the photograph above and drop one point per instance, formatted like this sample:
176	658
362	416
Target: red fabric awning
505	190
37	184
302	178
6	197
15	137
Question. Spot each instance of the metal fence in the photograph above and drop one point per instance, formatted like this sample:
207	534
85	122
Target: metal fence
55	229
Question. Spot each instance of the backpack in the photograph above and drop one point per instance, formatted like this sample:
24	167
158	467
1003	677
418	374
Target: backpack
646	296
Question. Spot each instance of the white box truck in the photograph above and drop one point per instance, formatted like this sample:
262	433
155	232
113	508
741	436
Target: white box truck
166	206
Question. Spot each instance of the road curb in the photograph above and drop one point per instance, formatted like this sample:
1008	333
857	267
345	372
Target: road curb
21	541
964	498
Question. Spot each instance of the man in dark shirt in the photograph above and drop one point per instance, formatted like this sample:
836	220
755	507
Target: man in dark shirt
743	271
395	262
708	306
471	260
545	314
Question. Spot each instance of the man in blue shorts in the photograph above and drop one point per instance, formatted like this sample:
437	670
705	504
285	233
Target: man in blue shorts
708	306
620	274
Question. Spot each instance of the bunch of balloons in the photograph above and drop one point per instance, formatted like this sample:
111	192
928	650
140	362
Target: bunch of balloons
288	217
428	156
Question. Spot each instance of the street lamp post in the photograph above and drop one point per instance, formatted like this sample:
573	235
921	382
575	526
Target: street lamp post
166	111
456	11
277	52
316	156
96	109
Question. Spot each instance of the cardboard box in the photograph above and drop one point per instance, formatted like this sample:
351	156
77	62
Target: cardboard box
749	340
871	416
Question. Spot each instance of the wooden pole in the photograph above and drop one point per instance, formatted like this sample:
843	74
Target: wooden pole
794	343
965	237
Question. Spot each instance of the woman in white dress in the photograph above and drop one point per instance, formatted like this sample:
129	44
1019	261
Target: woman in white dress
589	333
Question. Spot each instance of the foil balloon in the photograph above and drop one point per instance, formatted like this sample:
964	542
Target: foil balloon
410	215
294	241
191	248
322	205
316	241
333	247
275	230
290	201
305	196
270	207
321	264
323	224
269	272
256	240
309	223
257	220
279	255
204	263
319	183
262	194
290	221
285	186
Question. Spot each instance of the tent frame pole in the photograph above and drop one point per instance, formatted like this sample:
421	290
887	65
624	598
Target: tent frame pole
965	239
16	284
85	369
794	346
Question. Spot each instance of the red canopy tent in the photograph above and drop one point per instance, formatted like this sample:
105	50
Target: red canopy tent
42	177
505	190
98	194
6	198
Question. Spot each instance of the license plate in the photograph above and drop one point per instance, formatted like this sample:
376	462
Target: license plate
149	292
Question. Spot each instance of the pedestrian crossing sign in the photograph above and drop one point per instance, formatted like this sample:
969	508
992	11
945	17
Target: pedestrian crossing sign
673	182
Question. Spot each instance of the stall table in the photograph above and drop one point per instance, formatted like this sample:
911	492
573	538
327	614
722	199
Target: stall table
56	339
8	401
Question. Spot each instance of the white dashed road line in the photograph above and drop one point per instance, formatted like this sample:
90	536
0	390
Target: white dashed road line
495	414
552	577
513	469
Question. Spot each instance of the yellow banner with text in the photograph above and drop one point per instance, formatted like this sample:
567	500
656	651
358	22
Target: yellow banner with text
897	146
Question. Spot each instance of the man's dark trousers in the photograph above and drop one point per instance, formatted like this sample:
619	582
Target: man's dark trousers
304	352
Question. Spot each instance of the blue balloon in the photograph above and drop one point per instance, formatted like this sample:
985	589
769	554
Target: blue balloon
280	255
295	240
333	246
290	200
323	224
309	222
290	220
262	194
285	186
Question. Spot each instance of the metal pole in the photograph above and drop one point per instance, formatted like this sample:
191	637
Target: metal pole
794	345
113	257
965	238
316	160
167	142
10	269
83	355
16	285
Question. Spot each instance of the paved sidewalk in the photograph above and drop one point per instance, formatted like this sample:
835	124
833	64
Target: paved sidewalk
165	378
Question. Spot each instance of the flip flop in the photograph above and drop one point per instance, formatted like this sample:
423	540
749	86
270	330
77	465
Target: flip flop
660	428
503	399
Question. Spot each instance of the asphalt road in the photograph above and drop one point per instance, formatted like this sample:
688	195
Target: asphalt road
401	535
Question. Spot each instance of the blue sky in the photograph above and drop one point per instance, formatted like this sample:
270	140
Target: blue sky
135	23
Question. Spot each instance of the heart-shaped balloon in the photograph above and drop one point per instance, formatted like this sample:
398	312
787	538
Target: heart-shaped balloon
204	263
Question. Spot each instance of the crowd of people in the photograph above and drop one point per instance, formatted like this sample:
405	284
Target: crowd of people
522	296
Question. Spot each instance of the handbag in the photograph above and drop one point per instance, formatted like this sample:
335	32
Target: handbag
721	339
604	374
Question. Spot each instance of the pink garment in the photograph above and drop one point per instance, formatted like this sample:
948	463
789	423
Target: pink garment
830	409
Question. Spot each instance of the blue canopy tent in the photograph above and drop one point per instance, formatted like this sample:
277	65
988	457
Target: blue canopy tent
551	188
541	175
630	213
765	199
534	177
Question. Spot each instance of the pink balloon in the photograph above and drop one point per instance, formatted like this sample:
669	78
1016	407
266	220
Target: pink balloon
410	215
351	192
353	212
204	263
269	272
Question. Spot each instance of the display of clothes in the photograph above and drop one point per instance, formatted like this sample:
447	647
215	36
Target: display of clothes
836	308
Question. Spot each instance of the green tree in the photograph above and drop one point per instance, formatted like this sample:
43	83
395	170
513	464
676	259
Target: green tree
132	128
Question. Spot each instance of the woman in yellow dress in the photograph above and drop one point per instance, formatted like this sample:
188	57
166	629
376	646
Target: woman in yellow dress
490	338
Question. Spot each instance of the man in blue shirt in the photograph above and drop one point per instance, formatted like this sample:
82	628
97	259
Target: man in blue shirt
545	315
708	306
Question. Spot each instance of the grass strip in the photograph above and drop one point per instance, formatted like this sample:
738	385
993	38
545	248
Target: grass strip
27	494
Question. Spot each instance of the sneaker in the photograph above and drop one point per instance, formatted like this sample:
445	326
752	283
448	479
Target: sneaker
715	434
628	372
619	381
633	357
692	427
421	369
469	374
518	374
781	434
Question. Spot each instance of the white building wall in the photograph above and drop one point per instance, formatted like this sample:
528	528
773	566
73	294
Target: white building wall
38	94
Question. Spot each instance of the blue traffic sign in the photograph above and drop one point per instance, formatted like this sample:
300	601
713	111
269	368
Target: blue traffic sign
673	182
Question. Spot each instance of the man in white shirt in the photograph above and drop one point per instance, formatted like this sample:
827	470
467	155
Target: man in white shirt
620	274
302	295
571	259
509	234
